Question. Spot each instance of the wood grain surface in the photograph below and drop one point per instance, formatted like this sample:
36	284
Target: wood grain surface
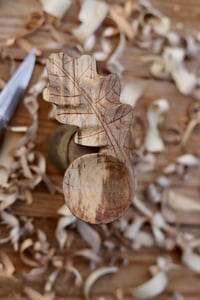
13	16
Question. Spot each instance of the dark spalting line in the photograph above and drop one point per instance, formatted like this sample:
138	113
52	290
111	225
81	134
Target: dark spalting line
111	89
82	74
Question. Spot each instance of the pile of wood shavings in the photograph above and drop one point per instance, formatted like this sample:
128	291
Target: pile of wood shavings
152	219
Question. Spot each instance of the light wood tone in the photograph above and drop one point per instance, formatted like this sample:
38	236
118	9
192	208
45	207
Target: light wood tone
13	14
98	187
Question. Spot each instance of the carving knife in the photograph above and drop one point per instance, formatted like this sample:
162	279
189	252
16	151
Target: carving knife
14	90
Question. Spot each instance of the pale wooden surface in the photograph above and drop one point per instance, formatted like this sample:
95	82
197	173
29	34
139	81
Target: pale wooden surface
12	18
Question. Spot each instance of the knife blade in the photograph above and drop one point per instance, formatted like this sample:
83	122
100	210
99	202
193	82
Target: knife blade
14	90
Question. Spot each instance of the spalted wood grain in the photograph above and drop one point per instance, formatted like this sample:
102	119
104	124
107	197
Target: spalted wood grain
98	187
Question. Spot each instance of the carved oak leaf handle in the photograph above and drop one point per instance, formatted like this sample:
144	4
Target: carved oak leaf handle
97	187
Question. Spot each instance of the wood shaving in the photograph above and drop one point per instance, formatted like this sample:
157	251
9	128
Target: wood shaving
153	193
118	15
92	14
172	63
180	202
133	229
78	277
61	234
20	129
161	25
27	46
193	123
56	9
6	155
157	284
113	64
51	281
131	92
94	276
142	207
26	244
147	163
153	142
66	220
88	254
191	260
15	232
9	268
188	160
33	294
151	288
90	235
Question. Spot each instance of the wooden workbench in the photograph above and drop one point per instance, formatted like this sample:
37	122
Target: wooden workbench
13	15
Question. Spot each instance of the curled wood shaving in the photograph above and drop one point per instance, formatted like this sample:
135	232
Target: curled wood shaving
132	91
113	64
153	193
159	229
140	238
33	294
89	235
78	277
118	15
5	56
51	281
56	9
144	239
20	129
88	254
64	221
152	287
157	284
7	200
133	229
172	63
142	207
15	232
90	43
9	268
160	24
94	276
194	121
27	46
100	56
191	260
61	234
6	155
26	244
92	14
110	32
180	202
22	167
163	181
147	163
153	142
